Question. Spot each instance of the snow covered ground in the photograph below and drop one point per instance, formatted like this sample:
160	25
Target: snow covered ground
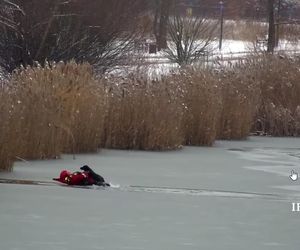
156	65
235	195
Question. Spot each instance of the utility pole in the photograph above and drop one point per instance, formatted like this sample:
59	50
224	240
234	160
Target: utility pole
222	22
271	33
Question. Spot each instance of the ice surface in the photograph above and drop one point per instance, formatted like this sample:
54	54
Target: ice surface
236	195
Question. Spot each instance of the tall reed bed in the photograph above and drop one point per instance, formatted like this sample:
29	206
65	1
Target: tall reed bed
241	98
84	105
143	114
9	126
50	110
202	101
278	80
39	113
46	111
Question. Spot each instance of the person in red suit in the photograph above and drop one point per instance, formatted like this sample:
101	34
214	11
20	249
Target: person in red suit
85	178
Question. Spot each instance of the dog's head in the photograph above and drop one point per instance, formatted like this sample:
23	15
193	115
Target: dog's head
85	168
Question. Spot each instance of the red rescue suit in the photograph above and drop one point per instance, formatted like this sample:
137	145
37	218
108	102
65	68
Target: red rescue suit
76	178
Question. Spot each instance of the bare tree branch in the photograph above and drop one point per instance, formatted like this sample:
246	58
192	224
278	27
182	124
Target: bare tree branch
97	31
189	38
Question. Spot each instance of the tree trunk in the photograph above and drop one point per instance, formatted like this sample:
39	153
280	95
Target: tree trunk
164	16
161	22
156	20
271	35
277	23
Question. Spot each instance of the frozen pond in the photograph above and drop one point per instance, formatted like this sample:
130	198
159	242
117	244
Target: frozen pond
236	195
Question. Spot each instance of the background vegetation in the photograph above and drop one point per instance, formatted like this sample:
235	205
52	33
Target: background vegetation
46	111
58	94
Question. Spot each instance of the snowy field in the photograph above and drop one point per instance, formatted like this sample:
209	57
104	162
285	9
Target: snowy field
156	65
236	195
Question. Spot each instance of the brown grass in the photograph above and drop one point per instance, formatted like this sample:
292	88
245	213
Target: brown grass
143	114
8	127
240	102
64	108
84	106
290	32
202	101
278	79
250	31
245	30
47	111
39	114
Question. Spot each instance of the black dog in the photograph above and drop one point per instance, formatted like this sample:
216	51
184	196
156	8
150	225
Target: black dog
99	180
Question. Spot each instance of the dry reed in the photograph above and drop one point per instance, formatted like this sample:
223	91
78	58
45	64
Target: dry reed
202	101
245	30
9	128
278	79
143	114
63	108
50	110
240	103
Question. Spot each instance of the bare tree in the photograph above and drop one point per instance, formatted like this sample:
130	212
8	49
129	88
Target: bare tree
189	38
97	31
7	9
